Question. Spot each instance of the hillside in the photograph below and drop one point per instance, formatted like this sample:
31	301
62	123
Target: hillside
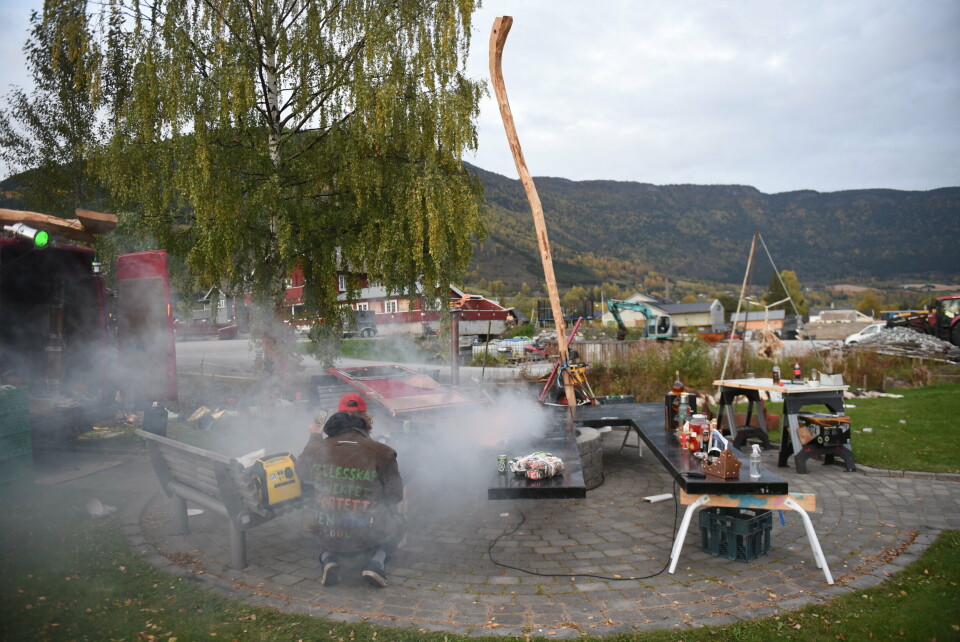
618	231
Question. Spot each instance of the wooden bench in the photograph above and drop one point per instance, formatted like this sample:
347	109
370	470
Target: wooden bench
217	483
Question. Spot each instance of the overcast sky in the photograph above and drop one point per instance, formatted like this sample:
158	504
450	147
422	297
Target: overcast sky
825	95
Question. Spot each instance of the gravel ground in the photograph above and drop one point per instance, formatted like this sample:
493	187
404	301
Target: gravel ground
910	343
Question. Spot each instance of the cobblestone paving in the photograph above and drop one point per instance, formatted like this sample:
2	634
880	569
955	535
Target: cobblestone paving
566	567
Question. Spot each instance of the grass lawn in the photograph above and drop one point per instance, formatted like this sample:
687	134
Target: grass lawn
912	433
906	434
68	577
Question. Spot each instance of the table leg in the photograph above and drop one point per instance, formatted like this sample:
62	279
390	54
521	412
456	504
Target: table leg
682	533
812	535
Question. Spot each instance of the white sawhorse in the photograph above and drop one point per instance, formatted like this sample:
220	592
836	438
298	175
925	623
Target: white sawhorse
799	502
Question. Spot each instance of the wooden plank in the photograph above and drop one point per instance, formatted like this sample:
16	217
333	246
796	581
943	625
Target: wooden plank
807	501
498	38
69	228
96	222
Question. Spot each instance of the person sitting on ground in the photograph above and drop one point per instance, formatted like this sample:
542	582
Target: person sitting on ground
355	485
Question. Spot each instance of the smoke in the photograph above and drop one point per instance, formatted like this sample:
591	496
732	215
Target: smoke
448	461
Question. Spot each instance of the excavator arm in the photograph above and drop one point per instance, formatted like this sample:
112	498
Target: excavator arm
656	326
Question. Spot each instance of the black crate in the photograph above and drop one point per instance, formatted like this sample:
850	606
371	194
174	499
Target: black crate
741	534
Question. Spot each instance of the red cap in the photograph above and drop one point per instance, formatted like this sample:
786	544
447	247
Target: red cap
352	401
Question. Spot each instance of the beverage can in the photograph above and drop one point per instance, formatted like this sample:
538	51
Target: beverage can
502	463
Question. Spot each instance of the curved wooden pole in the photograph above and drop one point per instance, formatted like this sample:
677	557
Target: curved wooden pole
498	37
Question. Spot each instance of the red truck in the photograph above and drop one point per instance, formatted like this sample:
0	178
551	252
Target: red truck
942	319
79	350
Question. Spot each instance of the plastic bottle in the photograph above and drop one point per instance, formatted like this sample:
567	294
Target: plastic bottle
755	462
776	375
796	370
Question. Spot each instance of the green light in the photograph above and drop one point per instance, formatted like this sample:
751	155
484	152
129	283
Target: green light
41	239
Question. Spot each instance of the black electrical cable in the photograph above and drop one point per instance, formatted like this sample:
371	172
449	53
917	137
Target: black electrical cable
676	512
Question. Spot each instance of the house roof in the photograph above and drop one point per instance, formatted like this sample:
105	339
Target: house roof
688	308
642	297
758	315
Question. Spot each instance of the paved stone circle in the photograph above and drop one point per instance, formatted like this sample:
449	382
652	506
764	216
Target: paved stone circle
562	568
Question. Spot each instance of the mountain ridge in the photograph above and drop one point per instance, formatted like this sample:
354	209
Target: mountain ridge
622	231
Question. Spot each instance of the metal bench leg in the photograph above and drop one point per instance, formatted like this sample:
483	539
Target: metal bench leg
180	515
238	546
812	535
682	533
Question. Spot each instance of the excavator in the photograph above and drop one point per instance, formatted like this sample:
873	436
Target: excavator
658	326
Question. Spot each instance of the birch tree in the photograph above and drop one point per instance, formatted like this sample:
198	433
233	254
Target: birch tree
49	131
255	136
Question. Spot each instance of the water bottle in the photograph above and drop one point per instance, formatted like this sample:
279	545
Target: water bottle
755	462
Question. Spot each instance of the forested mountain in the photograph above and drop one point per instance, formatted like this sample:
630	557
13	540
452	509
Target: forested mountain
620	231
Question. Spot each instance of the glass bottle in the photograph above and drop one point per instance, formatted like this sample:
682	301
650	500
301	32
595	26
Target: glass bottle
677	392
755	462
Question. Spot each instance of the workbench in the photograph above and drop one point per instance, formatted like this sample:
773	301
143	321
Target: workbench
796	396
769	491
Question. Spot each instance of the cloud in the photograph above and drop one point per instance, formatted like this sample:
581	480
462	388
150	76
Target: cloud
777	95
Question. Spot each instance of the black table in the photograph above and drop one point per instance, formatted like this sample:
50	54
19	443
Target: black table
647	421
556	440
770	491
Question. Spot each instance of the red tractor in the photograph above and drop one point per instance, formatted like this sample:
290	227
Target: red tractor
942	320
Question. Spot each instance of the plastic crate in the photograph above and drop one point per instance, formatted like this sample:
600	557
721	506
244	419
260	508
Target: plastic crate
741	534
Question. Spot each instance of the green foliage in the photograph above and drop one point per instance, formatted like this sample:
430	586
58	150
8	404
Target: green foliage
650	370
525	330
785	286
53	130
255	137
400	348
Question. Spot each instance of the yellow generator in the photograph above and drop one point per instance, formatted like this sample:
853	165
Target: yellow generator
275	477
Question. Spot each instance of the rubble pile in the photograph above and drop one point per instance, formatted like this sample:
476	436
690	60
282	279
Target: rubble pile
909	343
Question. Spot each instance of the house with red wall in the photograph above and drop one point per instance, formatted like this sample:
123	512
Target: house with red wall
401	313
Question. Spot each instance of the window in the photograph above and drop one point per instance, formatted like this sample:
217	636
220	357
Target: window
361	306
390	306
342	283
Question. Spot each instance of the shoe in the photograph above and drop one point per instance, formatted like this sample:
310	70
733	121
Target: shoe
331	574
375	574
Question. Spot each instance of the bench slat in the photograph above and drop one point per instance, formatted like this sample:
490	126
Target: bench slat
178	445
